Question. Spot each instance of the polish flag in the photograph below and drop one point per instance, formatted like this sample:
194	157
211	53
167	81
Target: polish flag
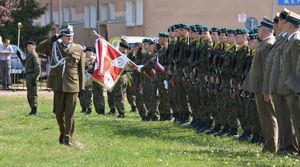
110	64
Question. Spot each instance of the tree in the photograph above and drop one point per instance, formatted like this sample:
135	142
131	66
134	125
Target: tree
26	12
6	7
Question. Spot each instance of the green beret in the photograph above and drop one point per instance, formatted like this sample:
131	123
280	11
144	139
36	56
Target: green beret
293	18
204	29
163	34
183	26
240	31
223	30
214	29
148	41
252	36
231	31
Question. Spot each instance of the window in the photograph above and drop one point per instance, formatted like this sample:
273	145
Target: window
73	14
112	11
90	16
103	12
139	12
67	13
55	17
134	12
86	16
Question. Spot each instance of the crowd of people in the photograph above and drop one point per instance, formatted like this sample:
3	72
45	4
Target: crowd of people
213	80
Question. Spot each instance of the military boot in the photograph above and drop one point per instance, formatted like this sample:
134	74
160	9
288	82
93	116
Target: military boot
216	129
233	132
83	110
33	111
223	132
255	138
245	136
133	109
89	111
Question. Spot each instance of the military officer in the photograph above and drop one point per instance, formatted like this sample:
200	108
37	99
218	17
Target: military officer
265	105
32	66
66	78
287	85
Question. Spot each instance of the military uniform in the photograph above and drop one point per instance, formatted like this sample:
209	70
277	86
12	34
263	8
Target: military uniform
130	91
265	108
66	79
32	66
288	66
85	96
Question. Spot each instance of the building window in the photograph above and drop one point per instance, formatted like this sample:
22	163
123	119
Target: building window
55	17
73	14
134	12
90	16
103	12
67	14
139	12
112	11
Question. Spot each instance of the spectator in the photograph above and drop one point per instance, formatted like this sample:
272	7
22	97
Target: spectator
5	65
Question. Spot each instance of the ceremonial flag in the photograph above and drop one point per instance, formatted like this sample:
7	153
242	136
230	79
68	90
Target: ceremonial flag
110	64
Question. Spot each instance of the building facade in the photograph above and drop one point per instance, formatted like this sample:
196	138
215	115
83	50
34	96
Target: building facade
148	17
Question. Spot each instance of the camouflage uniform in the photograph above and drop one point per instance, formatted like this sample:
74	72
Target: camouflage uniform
32	66
137	85
179	77
98	98
149	86
164	105
118	94
130	91
85	96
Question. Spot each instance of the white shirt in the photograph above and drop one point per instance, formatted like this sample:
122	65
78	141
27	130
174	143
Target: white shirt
4	57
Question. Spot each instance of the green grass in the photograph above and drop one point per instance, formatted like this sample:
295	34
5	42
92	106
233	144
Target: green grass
109	141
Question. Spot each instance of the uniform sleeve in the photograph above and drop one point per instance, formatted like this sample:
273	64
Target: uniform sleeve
297	51
267	72
81	71
37	66
45	47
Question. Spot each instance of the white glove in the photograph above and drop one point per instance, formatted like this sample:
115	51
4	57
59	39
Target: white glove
166	84
140	68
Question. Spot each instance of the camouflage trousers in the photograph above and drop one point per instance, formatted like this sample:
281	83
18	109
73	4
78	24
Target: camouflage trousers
180	87
140	103
131	98
85	97
98	98
229	108
31	85
215	106
117	96
150	97
164	104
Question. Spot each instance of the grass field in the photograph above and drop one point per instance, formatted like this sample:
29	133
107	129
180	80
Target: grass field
109	141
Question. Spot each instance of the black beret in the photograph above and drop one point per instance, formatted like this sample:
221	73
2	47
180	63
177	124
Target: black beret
124	45
30	43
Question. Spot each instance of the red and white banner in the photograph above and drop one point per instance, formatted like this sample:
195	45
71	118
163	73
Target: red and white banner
110	64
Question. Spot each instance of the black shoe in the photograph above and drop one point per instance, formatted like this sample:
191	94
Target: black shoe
184	118
216	129
233	132
154	118
61	139
89	111
112	112
68	143
33	111
121	115
255	138
83	110
162	117
223	133
133	109
245	136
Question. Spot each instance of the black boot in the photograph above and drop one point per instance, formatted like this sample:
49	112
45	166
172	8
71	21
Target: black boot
121	115
33	111
112	112
233	132
245	136
216	129
61	139
168	117
133	109
255	138
223	133
176	117
162	117
83	110
89	111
